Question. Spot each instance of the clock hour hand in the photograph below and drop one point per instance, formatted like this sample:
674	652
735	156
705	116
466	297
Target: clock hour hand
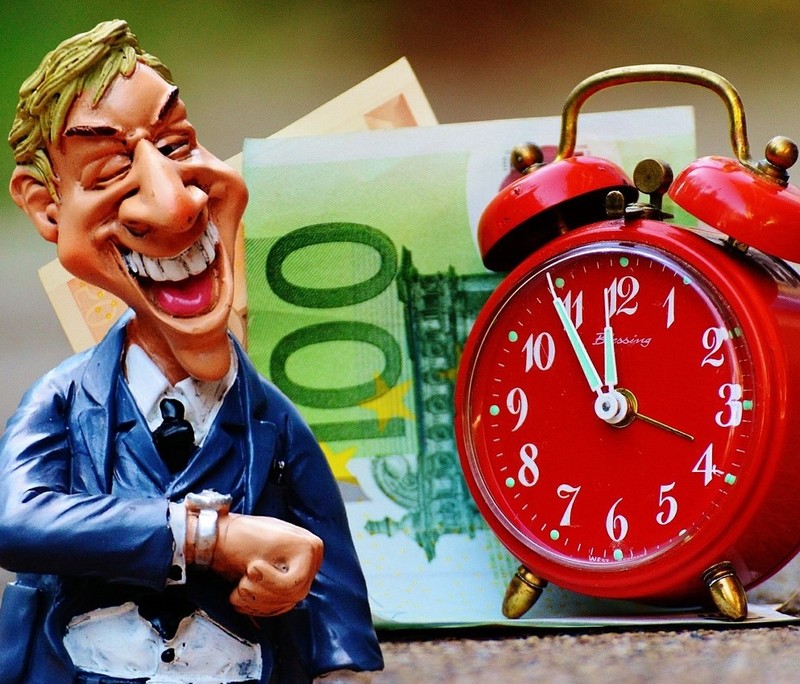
608	345
592	376
610	405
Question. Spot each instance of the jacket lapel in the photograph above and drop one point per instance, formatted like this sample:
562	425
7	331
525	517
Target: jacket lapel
261	435
139	466
93	410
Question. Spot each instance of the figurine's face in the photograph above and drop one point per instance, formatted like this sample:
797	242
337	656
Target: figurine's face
148	214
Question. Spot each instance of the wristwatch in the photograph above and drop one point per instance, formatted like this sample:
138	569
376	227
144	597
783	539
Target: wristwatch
207	506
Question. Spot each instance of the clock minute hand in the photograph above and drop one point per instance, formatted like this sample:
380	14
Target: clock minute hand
592	376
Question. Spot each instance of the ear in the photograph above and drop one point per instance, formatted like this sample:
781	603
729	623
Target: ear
32	196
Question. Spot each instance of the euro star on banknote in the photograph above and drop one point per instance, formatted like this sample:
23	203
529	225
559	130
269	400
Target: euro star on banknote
363	280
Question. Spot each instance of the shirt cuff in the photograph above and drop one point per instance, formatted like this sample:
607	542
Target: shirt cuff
177	524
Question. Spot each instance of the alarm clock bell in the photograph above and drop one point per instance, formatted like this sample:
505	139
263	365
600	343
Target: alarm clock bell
571	211
752	203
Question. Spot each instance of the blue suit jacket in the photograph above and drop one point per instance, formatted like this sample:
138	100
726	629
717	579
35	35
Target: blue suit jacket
83	518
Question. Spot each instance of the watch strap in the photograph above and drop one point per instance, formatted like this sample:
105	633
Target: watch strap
207	507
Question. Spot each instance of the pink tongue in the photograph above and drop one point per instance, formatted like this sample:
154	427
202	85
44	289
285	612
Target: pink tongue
189	297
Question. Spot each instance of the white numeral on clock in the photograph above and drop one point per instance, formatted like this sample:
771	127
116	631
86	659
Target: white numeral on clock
705	466
616	525
539	351
517	404
665	517
528	472
669	302
713	339
575	307
621	295
566	491
732	393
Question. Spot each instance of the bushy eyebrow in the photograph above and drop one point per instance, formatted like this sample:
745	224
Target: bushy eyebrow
172	100
89	131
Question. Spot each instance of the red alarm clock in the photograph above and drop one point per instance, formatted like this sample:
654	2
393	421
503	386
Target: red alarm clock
628	401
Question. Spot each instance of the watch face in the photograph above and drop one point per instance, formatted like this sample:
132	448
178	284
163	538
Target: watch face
607	407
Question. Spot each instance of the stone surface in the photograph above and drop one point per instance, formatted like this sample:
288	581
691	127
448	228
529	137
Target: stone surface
731	655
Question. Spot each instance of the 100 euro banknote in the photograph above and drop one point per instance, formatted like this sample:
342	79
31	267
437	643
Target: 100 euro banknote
363	281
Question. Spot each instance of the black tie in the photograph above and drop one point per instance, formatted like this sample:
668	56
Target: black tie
174	438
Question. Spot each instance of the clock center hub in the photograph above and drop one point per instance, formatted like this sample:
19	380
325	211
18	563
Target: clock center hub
617	407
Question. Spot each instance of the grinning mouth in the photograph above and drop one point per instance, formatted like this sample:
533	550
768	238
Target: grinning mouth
190	262
182	286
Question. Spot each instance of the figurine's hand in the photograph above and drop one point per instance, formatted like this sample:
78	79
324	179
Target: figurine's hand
273	561
266	590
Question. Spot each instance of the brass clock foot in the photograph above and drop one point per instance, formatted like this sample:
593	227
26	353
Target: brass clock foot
523	591
726	590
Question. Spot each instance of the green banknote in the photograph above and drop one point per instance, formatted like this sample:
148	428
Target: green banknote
363	280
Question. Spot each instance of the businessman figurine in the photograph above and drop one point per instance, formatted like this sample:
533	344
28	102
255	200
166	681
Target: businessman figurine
169	515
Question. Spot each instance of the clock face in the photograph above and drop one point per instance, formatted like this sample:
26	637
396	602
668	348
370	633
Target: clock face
608	407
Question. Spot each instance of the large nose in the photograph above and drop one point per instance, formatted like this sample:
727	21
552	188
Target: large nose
161	199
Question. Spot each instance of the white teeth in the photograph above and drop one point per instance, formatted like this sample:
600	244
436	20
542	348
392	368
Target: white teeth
193	260
134	262
208	244
172	269
153	268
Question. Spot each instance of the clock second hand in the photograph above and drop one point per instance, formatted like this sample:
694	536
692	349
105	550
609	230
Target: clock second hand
664	426
630	410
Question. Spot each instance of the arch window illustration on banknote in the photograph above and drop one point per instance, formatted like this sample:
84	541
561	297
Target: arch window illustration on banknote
439	309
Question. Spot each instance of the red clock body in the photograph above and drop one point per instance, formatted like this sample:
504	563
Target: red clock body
627	411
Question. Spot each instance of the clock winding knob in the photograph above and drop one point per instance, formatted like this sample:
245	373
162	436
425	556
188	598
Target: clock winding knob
652	177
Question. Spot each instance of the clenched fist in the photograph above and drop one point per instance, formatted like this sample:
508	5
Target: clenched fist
273	561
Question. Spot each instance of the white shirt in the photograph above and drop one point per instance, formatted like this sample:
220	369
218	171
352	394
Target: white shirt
118	642
202	399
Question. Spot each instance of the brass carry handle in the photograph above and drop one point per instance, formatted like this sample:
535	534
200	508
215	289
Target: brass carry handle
655	72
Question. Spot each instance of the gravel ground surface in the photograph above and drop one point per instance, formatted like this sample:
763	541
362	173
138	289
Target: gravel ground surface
749	654
732	655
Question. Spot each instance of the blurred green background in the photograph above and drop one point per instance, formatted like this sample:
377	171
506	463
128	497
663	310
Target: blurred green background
248	68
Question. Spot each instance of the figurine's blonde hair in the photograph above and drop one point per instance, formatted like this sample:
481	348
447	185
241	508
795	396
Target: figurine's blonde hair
89	61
